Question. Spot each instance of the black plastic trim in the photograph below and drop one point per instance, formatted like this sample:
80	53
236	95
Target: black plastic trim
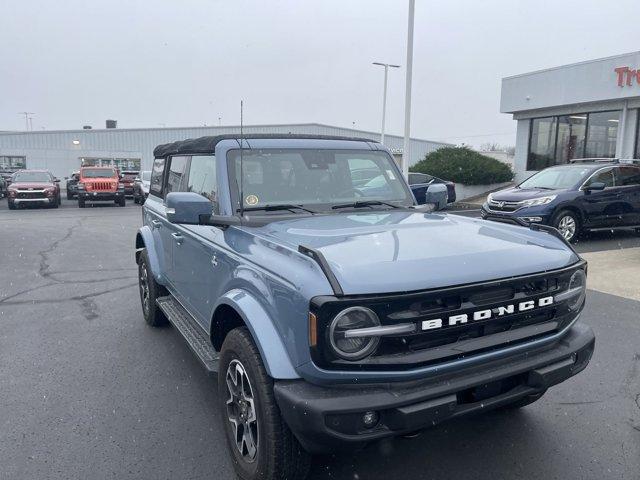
324	266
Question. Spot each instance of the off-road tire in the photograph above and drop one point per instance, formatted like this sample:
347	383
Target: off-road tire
152	315
121	202
12	205
279	454
559	217
523	402
81	203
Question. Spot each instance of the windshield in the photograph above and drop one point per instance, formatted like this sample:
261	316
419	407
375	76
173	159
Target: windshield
145	176
319	178
557	178
98	173
37	177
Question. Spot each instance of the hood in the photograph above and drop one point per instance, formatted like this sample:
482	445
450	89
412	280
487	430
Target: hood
388	252
516	194
26	185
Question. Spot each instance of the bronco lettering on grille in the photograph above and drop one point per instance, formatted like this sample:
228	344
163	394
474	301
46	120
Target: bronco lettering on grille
487	314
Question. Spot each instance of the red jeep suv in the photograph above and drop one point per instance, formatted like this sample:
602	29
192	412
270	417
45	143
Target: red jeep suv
100	184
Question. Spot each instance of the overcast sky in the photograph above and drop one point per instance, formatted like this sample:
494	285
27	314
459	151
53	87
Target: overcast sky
188	62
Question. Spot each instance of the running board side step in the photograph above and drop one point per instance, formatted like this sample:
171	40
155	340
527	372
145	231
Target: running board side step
193	334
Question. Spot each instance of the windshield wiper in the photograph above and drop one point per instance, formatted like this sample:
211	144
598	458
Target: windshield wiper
273	208
364	203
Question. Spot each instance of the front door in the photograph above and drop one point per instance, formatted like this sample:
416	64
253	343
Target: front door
602	207
198	262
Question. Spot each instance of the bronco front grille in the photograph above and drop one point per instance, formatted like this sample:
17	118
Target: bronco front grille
496	305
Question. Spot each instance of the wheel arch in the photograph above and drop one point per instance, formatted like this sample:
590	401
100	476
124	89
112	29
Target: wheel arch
144	240
238	308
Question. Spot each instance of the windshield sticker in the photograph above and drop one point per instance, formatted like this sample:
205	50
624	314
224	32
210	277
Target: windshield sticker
391	175
251	200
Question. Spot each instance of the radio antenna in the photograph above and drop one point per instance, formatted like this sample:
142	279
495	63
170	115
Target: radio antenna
241	165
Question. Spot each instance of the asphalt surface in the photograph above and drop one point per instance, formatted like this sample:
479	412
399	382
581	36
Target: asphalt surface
87	390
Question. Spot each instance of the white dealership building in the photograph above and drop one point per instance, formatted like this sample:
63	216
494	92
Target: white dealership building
586	109
64	151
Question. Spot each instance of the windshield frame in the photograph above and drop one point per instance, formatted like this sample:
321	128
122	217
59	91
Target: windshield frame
573	186
321	208
14	177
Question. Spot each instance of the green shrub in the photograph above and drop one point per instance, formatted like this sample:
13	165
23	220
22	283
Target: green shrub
463	165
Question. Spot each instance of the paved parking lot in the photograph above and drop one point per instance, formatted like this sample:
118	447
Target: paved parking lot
87	390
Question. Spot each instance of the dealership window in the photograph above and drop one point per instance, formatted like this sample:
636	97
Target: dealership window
12	162
556	140
572	131
602	134
543	143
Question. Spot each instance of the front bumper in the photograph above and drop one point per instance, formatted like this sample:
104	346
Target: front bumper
100	196
325	419
526	214
45	200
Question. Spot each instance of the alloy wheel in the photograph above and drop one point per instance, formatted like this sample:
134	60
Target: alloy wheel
241	411
144	288
567	227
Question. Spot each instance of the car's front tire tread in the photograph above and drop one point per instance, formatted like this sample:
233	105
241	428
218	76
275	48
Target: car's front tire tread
154	317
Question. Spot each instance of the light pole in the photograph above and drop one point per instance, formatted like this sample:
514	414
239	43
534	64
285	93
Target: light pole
384	95
407	93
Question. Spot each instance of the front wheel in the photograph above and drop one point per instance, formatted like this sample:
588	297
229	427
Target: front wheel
122	202
260	442
150	291
568	224
12	205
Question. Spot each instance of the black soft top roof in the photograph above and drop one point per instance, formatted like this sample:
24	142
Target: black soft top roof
208	144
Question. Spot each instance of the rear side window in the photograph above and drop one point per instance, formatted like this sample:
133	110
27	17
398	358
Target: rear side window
176	175
157	171
628	176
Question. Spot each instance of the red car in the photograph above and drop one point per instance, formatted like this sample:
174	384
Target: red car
100	184
127	177
33	187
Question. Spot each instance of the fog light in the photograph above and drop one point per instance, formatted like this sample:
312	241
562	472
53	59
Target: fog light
532	219
370	419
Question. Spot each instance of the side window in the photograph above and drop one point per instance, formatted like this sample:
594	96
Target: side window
605	176
628	176
155	184
202	177
175	175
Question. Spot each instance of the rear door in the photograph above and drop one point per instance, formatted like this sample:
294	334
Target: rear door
628	181
602	207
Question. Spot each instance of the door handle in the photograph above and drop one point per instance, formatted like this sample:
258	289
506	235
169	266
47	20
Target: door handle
178	238
156	223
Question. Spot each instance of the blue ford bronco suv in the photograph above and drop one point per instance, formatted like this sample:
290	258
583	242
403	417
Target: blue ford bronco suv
333	314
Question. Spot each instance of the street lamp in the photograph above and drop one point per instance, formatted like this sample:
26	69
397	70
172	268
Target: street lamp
406	147
384	95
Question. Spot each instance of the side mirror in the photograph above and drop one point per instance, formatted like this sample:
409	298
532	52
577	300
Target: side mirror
437	195
595	186
193	209
187	207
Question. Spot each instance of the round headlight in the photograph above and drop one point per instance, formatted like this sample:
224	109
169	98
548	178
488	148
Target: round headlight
578	283
353	348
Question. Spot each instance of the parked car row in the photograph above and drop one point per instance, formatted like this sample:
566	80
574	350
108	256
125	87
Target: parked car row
88	185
